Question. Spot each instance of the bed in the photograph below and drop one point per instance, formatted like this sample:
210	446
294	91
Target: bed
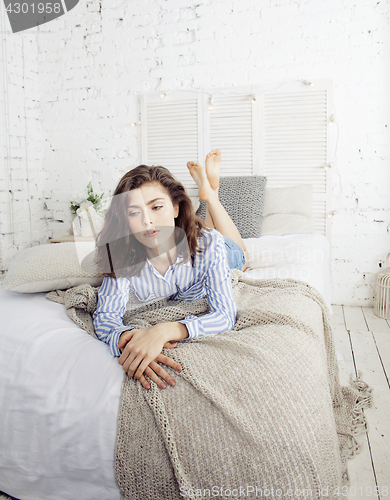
61	393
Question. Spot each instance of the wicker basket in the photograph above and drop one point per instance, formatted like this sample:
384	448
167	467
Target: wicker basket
382	292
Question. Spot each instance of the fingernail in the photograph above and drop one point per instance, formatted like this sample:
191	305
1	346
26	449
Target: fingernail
172	383
163	386
148	386
179	368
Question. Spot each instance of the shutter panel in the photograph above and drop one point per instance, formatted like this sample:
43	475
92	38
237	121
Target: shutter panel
231	128
282	135
171	137
295	145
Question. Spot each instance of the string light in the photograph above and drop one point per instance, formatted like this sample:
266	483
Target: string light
337	196
232	92
331	122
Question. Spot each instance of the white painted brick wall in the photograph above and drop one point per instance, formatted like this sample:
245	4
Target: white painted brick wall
82	73
21	202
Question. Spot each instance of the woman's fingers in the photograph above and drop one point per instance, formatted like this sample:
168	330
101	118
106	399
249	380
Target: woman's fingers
123	358
129	362
126	352
140	369
154	377
159	370
156	373
169	362
125	336
135	366
144	382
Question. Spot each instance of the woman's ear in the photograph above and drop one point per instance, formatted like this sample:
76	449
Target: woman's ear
176	211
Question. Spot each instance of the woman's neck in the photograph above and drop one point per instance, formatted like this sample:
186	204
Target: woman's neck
163	256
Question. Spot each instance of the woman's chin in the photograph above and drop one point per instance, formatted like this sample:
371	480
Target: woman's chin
156	245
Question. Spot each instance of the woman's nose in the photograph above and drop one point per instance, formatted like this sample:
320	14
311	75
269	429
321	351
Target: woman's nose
145	219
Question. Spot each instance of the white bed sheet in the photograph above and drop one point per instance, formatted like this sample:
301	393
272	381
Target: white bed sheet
58	431
305	257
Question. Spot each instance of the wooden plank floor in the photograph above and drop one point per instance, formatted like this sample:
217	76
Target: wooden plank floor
363	344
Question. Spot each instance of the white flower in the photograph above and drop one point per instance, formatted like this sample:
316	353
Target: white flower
86	207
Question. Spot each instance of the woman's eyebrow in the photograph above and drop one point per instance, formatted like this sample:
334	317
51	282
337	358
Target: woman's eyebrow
148	203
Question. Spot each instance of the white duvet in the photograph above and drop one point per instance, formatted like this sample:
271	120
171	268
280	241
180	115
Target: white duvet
304	257
60	388
59	396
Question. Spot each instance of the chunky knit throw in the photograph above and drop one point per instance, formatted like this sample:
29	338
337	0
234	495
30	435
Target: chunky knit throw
256	412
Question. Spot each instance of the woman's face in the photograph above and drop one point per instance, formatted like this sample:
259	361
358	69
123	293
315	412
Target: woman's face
150	212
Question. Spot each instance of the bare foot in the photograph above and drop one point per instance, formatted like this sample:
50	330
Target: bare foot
199	175
213	163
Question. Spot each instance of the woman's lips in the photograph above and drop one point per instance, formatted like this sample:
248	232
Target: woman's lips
150	233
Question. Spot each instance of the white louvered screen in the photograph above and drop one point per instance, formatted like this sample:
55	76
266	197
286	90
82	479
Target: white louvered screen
295	143
231	125
280	132
172	132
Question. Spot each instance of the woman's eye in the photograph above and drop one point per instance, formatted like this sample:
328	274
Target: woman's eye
131	214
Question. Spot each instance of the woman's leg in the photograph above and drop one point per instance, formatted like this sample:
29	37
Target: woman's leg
224	224
209	220
208	191
213	162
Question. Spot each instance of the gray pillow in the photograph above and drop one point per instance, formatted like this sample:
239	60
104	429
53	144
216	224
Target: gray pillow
242	197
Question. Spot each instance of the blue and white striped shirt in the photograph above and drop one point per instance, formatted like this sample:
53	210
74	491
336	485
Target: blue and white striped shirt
210	276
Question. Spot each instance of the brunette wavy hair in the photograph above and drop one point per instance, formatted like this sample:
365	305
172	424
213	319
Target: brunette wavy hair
118	249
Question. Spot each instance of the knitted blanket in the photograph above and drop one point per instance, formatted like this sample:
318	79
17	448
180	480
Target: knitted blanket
256	411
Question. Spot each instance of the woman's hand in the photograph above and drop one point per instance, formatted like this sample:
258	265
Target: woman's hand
154	371
142	347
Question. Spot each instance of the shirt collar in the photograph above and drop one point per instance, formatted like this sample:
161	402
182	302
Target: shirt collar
179	258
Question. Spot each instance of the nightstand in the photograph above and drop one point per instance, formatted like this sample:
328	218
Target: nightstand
71	237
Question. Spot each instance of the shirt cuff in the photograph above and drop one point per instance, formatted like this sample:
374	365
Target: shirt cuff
114	340
194	327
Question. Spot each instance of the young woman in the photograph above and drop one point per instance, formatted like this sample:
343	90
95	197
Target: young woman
153	245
